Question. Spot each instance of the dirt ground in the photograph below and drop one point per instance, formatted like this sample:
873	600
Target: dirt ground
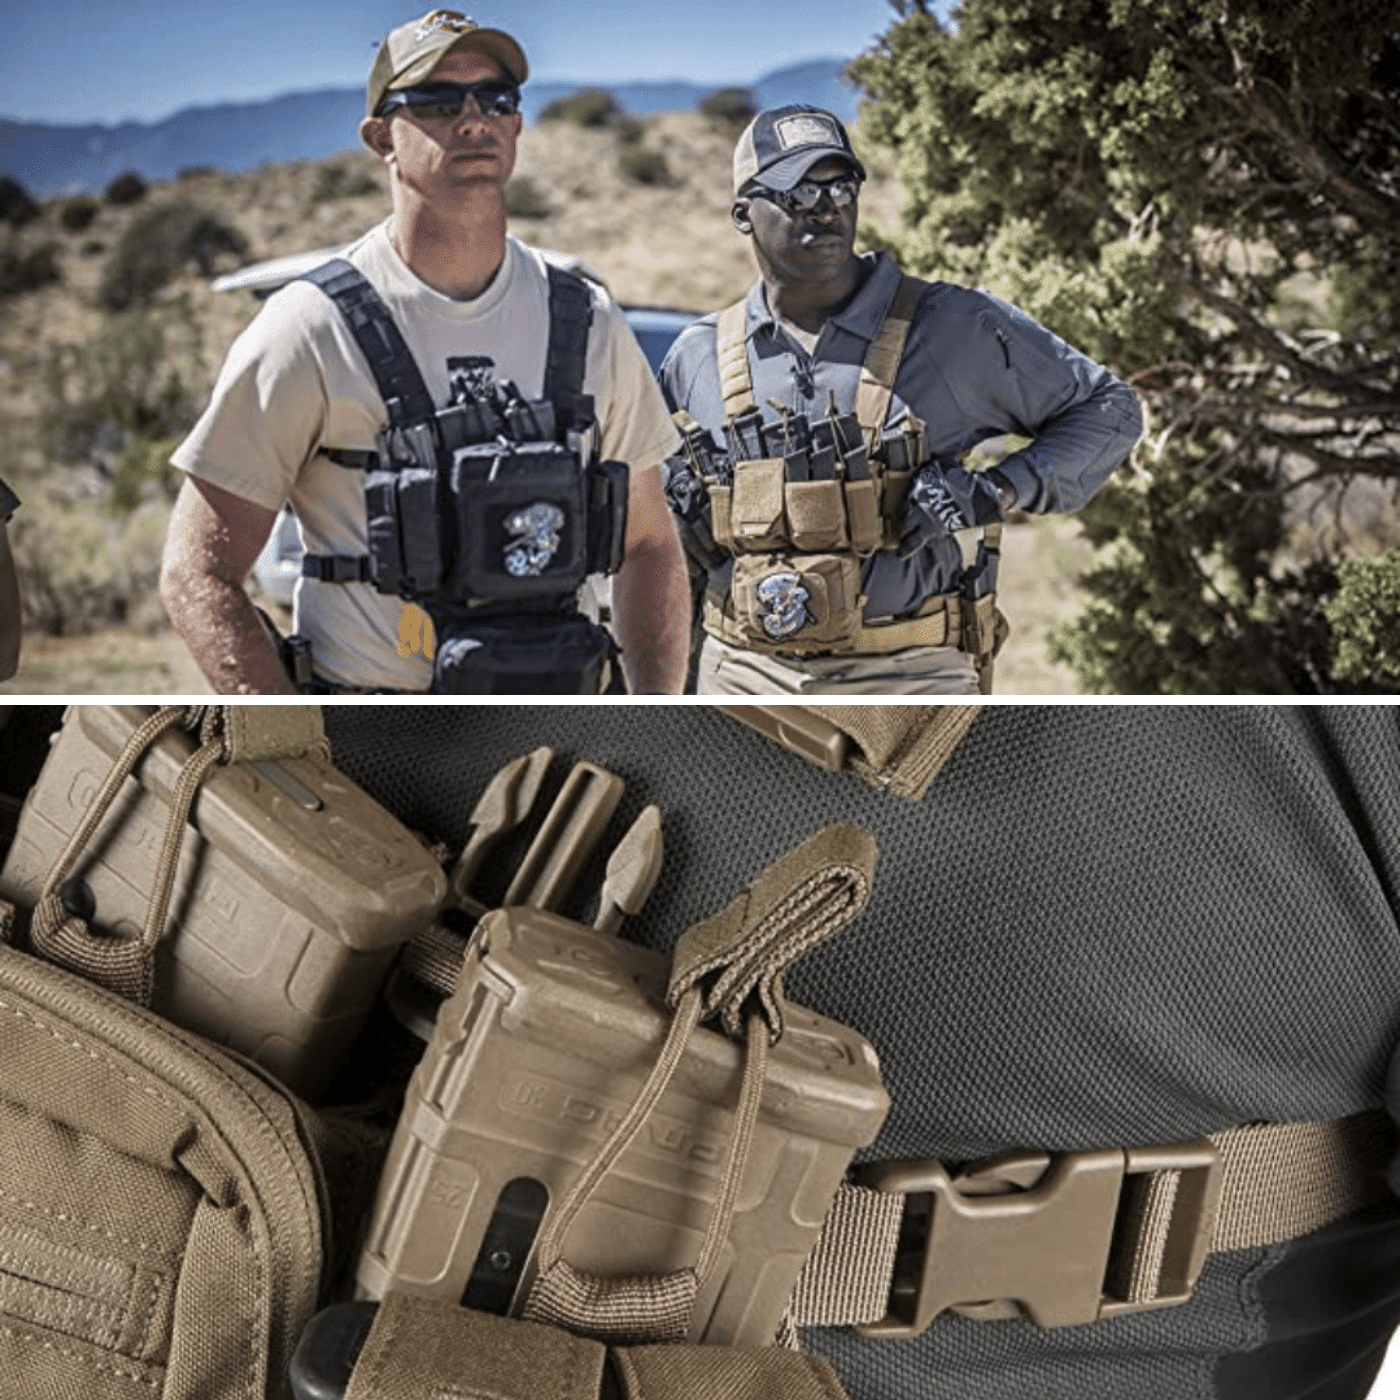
1041	561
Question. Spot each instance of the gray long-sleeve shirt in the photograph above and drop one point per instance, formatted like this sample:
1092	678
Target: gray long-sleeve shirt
974	367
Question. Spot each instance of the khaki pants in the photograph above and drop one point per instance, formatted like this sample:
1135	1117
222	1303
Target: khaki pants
727	670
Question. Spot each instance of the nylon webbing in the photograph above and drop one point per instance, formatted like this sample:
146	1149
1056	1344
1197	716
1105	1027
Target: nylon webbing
941	626
1280	1181
902	747
732	350
395	371
570	317
877	374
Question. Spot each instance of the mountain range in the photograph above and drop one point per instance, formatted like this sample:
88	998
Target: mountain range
51	160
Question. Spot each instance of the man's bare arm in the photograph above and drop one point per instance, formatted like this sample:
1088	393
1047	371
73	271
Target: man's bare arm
10	619
213	542
651	594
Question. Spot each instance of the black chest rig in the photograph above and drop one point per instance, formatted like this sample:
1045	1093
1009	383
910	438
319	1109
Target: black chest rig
491	511
797	503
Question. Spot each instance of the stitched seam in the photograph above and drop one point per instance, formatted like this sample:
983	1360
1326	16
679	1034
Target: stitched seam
81	1224
102	1368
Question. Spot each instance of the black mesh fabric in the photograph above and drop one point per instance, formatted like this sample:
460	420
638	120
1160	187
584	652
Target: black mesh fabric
1102	926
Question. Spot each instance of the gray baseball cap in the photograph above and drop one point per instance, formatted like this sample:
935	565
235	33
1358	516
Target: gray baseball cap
781	145
410	52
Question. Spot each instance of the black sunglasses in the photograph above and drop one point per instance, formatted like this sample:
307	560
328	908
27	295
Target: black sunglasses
805	197
445	101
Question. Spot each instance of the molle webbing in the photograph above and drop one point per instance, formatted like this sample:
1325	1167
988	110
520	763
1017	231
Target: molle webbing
938	625
570	318
395	371
877	374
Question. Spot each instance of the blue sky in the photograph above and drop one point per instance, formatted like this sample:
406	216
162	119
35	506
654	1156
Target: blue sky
76	61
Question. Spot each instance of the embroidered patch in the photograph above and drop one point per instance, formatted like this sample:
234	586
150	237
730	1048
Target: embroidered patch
783	601
443	19
807	129
534	541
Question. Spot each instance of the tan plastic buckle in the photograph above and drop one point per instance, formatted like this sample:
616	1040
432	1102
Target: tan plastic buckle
797	730
1044	1239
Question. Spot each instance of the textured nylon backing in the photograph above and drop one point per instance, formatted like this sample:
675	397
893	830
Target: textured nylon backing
1101	926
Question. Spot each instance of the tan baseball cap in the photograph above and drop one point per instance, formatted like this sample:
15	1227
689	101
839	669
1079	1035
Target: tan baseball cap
410	52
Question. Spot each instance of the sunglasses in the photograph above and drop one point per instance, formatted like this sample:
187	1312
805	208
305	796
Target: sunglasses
445	101
805	197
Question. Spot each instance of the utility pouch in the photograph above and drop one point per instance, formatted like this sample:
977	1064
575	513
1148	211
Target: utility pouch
552	1162
893	494
816	515
403	513
350	1352
164	1212
863	514
607	516
721	515
291	889
757	519
522	514
519	653
792	603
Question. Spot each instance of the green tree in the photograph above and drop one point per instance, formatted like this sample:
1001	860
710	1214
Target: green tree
1204	194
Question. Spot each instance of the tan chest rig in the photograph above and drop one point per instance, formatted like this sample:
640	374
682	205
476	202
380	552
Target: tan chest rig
799	505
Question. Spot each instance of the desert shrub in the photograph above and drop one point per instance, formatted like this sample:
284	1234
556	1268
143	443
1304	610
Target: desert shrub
81	570
27	269
16	207
127	188
1365	619
159	245
525	199
340	180
195	172
629	130
144	470
590	106
644	166
135	379
77	213
729	106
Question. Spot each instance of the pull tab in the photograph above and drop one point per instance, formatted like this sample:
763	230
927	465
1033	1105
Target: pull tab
799	901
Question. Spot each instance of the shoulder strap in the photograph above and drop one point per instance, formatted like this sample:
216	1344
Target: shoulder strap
877	374
395	371
570	318
731	346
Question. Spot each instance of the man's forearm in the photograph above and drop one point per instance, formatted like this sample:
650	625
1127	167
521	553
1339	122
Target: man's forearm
651	609
219	624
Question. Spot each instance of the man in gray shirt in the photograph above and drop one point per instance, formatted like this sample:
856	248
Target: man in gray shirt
820	493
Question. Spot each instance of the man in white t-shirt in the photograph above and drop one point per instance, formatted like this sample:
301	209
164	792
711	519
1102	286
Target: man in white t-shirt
442	112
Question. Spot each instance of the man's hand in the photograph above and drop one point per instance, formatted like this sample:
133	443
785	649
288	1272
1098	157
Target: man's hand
213	542
945	497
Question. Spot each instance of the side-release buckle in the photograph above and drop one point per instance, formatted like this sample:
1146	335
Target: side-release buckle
797	730
1064	1240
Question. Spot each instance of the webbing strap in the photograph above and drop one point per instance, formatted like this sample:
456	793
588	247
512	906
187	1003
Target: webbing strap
732	349
395	371
1278	1182
877	374
570	317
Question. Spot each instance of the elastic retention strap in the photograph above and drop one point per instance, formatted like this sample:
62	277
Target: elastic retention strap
649	1308
395	371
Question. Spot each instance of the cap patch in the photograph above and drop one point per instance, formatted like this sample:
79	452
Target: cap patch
444	19
806	129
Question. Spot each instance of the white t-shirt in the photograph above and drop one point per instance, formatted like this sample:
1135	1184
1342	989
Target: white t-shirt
295	381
